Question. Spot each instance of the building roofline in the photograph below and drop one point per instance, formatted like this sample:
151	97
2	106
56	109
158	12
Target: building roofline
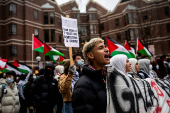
68	3
97	4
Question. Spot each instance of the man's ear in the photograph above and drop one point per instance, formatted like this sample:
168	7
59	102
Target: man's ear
90	55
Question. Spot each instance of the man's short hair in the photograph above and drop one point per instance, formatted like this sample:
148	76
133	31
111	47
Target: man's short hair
11	73
163	56
88	47
74	56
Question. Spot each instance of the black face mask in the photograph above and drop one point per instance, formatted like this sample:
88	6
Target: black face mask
48	72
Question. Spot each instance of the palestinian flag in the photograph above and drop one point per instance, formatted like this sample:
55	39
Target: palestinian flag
130	49
142	49
115	48
3	63
10	67
61	59
54	58
48	50
37	45
22	67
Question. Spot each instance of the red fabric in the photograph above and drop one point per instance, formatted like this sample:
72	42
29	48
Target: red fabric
16	63
112	47
36	43
140	45
47	48
127	46
61	59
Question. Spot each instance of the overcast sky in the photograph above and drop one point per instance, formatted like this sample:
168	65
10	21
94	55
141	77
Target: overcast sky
108	4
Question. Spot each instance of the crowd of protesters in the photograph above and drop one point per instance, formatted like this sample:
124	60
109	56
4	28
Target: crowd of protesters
78	88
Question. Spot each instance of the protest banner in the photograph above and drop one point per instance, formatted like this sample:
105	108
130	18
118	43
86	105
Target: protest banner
128	95
70	34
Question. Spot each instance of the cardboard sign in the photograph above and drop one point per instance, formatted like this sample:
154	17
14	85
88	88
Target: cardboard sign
70	32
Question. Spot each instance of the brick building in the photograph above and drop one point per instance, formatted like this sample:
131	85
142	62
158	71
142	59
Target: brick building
19	19
131	19
147	20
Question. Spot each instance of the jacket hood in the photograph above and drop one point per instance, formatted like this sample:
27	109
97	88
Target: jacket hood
49	65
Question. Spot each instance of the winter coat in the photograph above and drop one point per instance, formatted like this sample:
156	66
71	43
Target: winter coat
64	85
27	93
89	95
10	100
45	93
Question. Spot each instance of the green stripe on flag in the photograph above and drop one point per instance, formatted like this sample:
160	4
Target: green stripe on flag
23	71
53	53
119	52
40	49
4	71
144	53
133	56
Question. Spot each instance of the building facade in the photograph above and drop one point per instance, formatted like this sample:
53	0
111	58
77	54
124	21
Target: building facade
131	19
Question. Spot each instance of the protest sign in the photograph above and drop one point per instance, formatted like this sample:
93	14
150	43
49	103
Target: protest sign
128	95
70	32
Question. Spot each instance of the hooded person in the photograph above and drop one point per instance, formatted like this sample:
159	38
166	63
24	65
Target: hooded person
161	71
45	91
66	85
134	68
9	94
121	63
59	71
144	69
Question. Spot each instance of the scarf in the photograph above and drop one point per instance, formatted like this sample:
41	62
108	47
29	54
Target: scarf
119	62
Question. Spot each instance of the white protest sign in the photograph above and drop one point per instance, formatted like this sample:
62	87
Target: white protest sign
70	32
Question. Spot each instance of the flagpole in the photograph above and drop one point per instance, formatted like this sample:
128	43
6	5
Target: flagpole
32	50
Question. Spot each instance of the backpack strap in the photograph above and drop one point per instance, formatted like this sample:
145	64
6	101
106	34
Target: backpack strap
4	91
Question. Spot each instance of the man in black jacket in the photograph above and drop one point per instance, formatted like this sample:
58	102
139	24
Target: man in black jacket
89	95
45	92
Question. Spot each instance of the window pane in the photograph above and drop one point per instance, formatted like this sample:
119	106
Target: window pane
90	16
95	29
52	35
78	16
135	18
12	9
131	34
91	29
60	41
46	35
59	22
117	22
136	33
35	14
14	30
94	16
36	33
13	50
45	17
83	30
130	18
52	17
118	37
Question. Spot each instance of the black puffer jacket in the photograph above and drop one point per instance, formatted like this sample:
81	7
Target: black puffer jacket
89	95
45	92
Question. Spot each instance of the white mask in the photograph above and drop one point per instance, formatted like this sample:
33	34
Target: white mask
150	67
157	67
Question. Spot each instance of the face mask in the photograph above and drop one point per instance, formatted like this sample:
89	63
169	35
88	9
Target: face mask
17	78
79	62
9	80
34	77
150	67
157	67
49	72
75	69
